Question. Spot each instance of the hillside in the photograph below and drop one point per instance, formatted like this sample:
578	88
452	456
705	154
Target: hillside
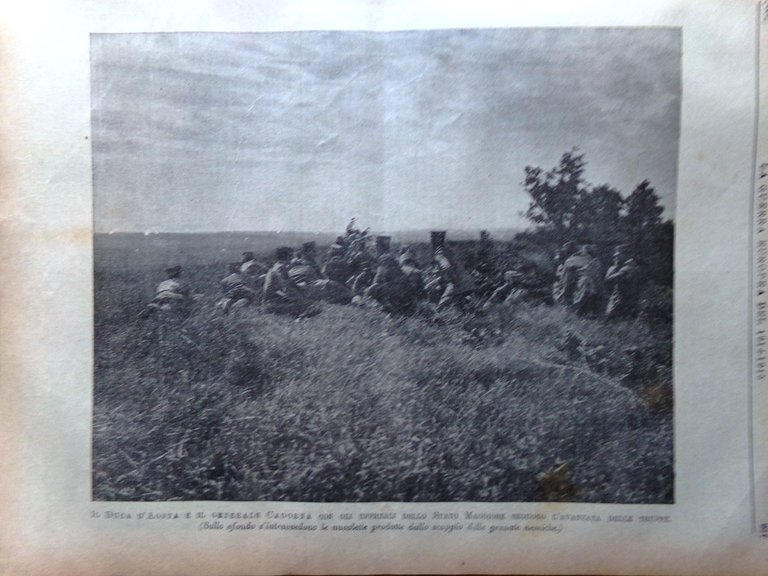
353	406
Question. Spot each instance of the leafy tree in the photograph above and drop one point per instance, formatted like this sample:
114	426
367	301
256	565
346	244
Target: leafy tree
643	213
564	206
597	215
555	194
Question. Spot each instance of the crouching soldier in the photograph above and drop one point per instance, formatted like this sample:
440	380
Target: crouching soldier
337	268
507	292
303	269
306	256
391	288
249	266
281	295
334	288
306	274
413	275
171	295
236	291
360	281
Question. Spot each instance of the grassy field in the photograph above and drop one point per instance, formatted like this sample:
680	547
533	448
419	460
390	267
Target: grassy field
353	406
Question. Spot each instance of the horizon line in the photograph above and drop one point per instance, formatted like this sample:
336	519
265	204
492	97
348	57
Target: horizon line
308	232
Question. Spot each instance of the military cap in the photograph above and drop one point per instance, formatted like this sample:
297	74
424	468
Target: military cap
173	270
248	255
437	237
308	246
383	242
283	252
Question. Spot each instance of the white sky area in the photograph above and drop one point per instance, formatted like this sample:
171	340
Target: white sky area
299	131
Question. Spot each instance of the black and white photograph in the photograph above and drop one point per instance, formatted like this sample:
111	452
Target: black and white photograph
393	266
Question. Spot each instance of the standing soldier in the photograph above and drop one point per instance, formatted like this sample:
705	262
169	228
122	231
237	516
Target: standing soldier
485	264
622	285
484	270
587	297
458	284
281	295
565	282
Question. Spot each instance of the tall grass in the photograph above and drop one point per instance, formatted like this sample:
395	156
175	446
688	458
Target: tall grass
351	405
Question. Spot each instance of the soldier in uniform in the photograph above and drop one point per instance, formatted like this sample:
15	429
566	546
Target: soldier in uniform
171	294
250	266
390	287
332	286
485	268
359	256
565	282
410	268
281	295
253	272
588	293
622	282
360	281
505	293
304	270
311	280
236	291
337	268
307	255
361	262
352	237
342	244
458	284
434	285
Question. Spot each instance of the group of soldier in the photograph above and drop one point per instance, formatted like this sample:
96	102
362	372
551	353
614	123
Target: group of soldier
396	282
351	273
582	284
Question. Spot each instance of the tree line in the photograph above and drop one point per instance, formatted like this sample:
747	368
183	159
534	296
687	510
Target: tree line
565	207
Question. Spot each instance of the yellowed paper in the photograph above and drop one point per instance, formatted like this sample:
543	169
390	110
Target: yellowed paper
79	137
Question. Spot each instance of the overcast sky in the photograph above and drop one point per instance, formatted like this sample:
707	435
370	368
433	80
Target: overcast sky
405	130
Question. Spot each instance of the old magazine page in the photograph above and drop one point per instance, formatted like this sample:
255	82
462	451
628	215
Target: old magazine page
384	287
